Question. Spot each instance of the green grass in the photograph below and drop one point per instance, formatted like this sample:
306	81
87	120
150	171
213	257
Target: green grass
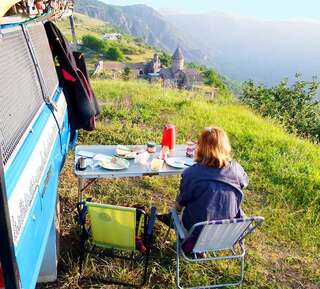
284	186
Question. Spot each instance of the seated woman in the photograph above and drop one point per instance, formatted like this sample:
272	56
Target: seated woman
212	188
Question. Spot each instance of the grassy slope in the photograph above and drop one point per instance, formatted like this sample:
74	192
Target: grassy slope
284	185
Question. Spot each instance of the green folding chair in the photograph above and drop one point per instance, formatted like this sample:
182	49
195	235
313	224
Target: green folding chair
116	229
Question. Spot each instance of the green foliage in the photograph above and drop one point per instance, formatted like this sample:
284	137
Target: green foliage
212	78
234	85
165	59
132	50
126	73
294	105
94	43
196	66
114	53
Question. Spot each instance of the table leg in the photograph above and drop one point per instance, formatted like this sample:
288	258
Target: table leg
80	189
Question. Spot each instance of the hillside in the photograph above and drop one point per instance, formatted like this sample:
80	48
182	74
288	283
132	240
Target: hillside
143	22
283	170
134	49
284	185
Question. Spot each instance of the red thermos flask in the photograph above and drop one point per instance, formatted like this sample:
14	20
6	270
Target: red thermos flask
169	136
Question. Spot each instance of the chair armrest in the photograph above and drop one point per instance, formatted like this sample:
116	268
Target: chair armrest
151	222
258	220
177	224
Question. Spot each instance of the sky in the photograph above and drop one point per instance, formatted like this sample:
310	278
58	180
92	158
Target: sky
264	9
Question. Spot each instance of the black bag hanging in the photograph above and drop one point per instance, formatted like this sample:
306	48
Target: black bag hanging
73	77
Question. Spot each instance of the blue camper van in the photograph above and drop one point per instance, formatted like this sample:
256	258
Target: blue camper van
34	142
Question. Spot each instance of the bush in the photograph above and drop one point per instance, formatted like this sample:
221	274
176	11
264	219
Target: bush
294	105
94	43
212	78
165	59
126	73
114	53
196	66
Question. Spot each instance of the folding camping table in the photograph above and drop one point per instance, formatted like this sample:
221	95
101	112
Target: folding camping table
90	174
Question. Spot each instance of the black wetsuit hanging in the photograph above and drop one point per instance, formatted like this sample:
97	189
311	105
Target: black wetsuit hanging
73	77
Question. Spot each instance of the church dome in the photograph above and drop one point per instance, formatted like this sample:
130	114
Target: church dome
177	61
178	55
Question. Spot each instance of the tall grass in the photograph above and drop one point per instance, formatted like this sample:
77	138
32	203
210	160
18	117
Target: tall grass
284	182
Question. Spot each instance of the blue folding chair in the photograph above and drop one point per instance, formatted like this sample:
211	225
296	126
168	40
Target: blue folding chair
219	236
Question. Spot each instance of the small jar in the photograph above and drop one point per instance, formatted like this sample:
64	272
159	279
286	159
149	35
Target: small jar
190	149
151	147
82	164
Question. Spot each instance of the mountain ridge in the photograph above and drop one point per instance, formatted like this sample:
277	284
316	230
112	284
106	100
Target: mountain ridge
249	48
239	47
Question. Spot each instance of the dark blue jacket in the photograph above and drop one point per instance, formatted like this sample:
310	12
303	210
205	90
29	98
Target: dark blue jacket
209	193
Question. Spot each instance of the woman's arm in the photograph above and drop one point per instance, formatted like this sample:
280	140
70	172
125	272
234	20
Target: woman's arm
242	176
244	180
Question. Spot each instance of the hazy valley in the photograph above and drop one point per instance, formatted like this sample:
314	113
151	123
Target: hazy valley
239	47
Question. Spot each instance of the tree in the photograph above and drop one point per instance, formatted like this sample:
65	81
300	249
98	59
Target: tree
126	73
114	53
165	59
295	105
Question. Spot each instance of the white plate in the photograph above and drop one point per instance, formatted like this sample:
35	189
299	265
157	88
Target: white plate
113	163
128	152
128	156
180	162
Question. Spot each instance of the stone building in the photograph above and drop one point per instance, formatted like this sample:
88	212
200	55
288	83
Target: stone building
177	75
177	61
154	65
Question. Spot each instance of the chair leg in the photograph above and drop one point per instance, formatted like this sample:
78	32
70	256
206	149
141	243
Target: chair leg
82	251
241	269
241	259
145	271
81	261
178	263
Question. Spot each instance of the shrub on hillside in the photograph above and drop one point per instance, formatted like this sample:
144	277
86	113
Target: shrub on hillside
129	50
126	73
212	78
196	66
94	43
294	105
114	53
165	59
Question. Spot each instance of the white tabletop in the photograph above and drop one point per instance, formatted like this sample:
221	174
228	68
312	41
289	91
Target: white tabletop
134	170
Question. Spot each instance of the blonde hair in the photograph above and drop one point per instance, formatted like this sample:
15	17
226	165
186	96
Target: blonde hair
214	149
